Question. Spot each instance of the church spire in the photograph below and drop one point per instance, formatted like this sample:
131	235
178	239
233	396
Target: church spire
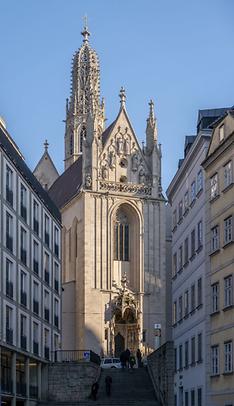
151	129
84	98
122	96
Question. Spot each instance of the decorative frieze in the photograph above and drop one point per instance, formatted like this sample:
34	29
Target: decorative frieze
125	187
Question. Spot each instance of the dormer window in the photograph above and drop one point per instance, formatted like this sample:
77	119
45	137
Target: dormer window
221	133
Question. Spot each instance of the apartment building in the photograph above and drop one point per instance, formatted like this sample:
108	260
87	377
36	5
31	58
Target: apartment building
30	279
220	263
186	195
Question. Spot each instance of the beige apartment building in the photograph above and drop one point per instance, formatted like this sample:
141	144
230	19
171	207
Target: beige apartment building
218	166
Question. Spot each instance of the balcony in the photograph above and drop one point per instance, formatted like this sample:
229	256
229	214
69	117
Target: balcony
9	242
56	285
47	239
36	226
21	388
9	196
23	256
9	289
35	266
47	352
6	385
47	277
56	249
23	342
23	212
35	307
35	347
9	336
23	298
56	321
47	315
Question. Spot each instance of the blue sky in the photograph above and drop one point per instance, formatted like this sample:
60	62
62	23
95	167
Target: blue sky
179	53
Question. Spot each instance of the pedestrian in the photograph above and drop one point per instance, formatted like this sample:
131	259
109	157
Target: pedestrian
108	382
94	391
127	355
123	360
132	361
139	358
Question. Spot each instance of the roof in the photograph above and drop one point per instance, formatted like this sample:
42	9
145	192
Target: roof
208	116
13	153
67	185
46	155
107	132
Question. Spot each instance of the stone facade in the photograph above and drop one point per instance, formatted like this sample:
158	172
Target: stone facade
45	170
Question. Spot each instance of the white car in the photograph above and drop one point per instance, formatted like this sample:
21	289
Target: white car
107	363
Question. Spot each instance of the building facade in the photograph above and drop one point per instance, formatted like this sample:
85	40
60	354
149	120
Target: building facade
218	166
186	194
30	282
113	216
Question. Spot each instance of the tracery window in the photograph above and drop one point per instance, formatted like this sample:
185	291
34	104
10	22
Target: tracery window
82	136
121	237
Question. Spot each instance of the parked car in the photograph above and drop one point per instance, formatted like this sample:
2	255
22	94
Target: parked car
110	363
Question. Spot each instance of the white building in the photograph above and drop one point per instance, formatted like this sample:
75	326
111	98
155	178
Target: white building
30	282
187	197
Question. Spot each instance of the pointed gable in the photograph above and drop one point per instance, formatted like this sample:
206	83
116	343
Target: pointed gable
45	171
222	130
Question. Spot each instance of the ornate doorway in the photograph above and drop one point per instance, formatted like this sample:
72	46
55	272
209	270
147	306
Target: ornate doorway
119	344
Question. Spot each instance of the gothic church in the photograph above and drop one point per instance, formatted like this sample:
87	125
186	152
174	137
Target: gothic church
113	216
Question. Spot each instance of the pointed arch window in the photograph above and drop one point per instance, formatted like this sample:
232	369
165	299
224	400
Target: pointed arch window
71	145
121	237
82	137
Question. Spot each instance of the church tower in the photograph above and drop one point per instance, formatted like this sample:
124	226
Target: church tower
84	99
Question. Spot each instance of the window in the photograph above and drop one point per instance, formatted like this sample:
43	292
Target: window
47	268
228	364
23	245
221	133
35	217
9	325
82	137
214	186
174	219
175	358
186	201
56	241
47	230
56	313
199	347
47	306
23	332
180	308
193	304
186	251
180	257
174	312
193	351
56	277
215	297
215	360
186	399
199	292
35	257
9	185
199	181
199	235
180	357
9	231
9	279
46	343
199	397
193	191
35	297
228	174
23	288
23	202
186	354
192	243
35	338
228	291
192	397
180	210
228	230
214	238
186	303
174	264
121	228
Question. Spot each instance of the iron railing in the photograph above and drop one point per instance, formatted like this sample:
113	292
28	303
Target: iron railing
76	356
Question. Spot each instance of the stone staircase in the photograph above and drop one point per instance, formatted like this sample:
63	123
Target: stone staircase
129	388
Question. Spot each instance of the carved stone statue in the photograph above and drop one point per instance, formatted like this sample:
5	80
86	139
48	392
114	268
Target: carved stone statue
88	181
120	146
141	176
104	172
112	159
127	146
135	161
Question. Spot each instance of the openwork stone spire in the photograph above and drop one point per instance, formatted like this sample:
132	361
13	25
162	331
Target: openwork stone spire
151	129
84	98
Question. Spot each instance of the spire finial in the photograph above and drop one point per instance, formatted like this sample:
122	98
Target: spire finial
46	145
85	31
151	113
122	96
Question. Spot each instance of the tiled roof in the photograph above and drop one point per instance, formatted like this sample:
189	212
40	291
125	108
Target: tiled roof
67	185
15	156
